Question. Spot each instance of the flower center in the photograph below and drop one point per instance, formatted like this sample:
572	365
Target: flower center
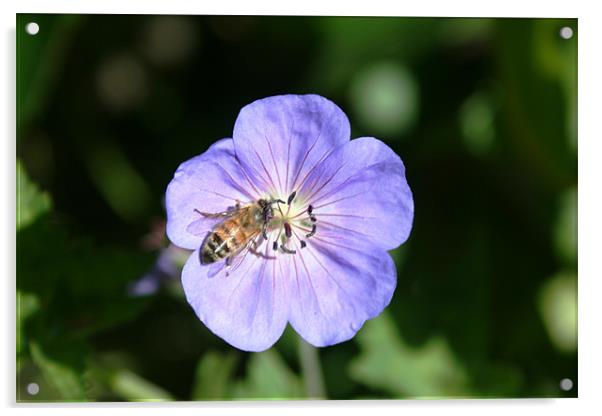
292	224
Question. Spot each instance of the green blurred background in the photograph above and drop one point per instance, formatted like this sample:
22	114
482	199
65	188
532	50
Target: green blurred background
482	111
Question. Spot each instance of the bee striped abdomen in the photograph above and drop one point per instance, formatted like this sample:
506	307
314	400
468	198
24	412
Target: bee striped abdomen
222	242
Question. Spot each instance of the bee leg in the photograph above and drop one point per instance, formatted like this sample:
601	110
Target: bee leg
287	250
236	206
264	231
258	254
228	265
210	215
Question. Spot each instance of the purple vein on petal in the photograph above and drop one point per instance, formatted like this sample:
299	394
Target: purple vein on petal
304	159
265	170
336	282
259	179
288	162
271	153
299	289
324	157
242	276
249	181
259	285
321	239
313	193
289	136
217	193
316	198
339	200
326	229
271	315
240	188
333	225
311	283
273	160
344	215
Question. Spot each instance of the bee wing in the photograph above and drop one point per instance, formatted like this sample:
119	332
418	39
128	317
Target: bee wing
236	259
202	225
207	221
216	268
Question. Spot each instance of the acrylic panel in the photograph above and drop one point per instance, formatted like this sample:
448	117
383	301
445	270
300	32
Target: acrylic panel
295	207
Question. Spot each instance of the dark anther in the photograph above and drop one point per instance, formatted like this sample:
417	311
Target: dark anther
312	232
275	245
303	244
314	219
291	197
288	232
310	209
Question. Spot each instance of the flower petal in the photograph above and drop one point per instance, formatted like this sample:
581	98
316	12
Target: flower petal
280	139
248	307
361	190
211	182
336	287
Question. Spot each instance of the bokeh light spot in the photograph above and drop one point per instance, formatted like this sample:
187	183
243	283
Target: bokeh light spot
566	384
169	39
385	98
558	309
122	83
476	122
566	32
33	389
32	28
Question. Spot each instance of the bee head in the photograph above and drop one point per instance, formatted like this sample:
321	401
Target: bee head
265	212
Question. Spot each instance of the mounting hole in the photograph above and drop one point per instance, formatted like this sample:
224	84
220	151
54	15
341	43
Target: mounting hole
32	28
566	384
566	32
33	389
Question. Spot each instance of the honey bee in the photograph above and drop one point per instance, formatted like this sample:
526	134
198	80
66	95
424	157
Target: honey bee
238	230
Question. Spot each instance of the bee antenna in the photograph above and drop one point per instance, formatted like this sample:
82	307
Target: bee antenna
278	201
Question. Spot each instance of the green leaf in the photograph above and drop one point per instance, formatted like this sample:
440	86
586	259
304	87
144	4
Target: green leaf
40	60
131	386
124	189
74	278
213	374
268	377
387	362
565	229
60	375
537	106
31	202
27	305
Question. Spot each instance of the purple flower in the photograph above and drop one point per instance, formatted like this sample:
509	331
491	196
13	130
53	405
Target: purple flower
331	208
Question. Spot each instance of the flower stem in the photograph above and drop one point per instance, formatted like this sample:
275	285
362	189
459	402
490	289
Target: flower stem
312	370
